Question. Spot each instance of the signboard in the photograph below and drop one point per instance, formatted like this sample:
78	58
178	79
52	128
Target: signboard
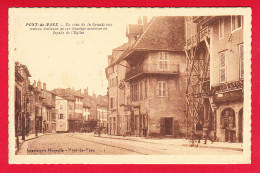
226	87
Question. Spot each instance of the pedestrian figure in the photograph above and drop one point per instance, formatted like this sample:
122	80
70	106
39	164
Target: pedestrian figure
199	129
27	130
205	131
214	137
99	131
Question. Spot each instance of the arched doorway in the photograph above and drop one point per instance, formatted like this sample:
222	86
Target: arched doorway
240	125
227	122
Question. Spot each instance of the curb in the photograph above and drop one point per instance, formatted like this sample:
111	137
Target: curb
126	139
185	145
23	141
215	147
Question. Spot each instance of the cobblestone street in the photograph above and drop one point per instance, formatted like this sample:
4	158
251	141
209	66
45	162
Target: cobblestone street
89	144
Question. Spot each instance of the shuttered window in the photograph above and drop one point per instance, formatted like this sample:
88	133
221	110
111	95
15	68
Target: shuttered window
111	102
221	28
141	90
241	59
162	89
223	57
236	22
145	90
163	61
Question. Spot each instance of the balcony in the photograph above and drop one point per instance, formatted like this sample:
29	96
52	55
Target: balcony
199	37
204	33
163	69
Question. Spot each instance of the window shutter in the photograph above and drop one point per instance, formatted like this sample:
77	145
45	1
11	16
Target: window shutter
165	89
165	60
241	58
222	67
158	88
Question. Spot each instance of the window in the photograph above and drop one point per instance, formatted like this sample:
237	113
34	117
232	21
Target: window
137	91
128	100
162	89
163	61
236	22
131	92
61	116
241	60
111	102
221	28
141	90
223	66
145	92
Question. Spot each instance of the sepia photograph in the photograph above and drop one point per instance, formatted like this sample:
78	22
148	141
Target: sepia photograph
129	85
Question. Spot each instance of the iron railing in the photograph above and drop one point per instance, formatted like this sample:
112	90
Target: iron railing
159	68
204	33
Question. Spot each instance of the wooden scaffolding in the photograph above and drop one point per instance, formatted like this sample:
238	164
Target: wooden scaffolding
198	77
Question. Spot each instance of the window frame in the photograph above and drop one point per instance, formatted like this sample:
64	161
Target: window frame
241	62
221	27
225	52
111	103
163	58
161	92
241	24
61	117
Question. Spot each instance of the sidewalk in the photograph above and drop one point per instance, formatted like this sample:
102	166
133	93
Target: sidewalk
27	138
180	142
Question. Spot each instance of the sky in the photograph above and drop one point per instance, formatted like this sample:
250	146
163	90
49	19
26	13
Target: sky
78	61
67	61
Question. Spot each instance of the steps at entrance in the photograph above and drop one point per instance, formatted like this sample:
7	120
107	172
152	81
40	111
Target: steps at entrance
169	136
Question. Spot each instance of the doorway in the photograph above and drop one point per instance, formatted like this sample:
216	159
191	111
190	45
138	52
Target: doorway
168	126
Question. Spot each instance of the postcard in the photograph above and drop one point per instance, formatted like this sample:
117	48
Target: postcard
129	85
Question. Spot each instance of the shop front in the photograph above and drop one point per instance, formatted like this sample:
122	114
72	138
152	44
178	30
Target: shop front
229	112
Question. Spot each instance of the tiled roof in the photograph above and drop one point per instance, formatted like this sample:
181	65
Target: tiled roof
122	47
164	33
69	97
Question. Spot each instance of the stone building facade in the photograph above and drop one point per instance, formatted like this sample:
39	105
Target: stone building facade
221	38
152	95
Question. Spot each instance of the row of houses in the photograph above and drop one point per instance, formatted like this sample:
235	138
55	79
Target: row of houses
38	110
34	105
176	75
76	109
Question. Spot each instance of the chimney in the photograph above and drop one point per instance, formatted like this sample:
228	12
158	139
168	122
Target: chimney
145	24
44	85
39	85
94	95
109	58
86	91
139	21
78	91
34	84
